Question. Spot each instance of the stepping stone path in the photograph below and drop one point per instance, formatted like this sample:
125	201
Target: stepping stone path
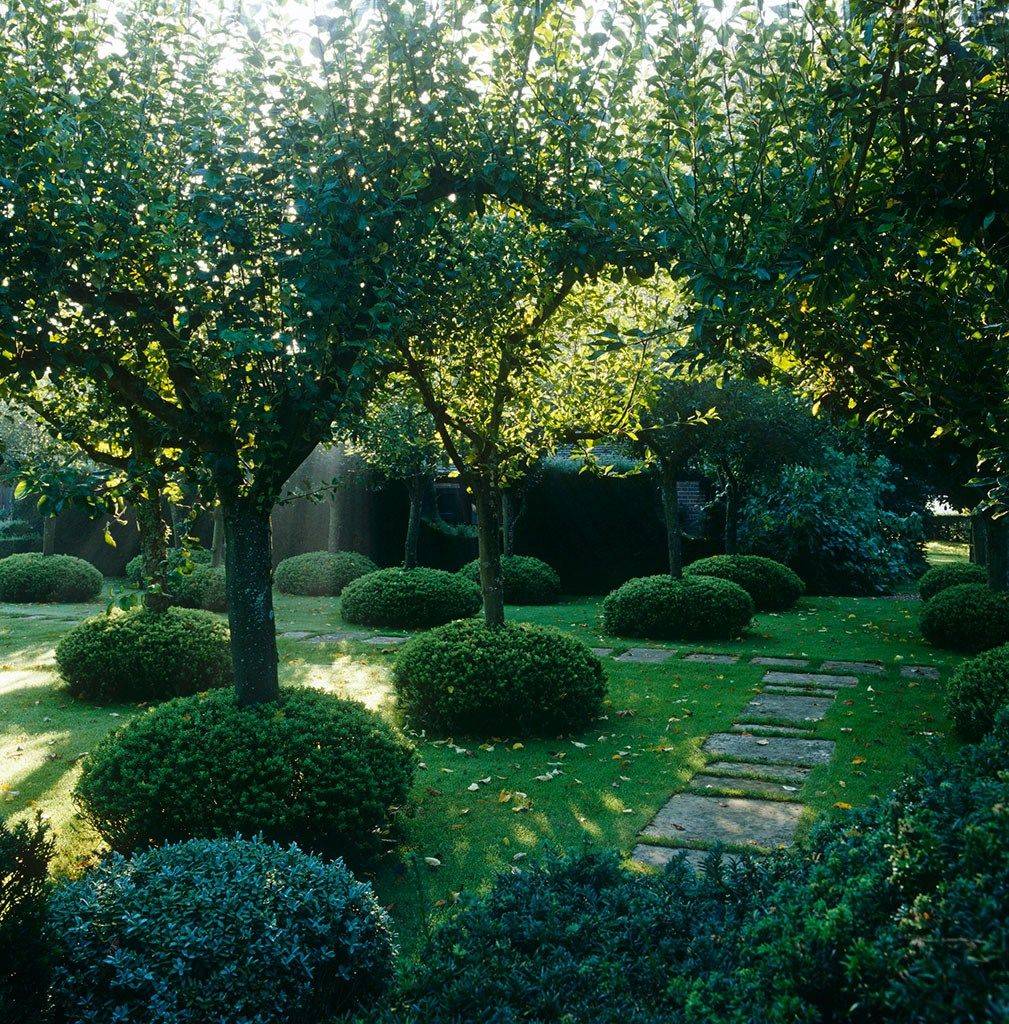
858	667
386	641
747	794
919	672
335	638
781	662
601	652
296	634
651	655
713	659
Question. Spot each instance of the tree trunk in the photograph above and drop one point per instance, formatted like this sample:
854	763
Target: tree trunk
998	553
979	538
671	510
153	549
48	535
509	519
731	520
333	529
217	543
415	487
249	577
489	544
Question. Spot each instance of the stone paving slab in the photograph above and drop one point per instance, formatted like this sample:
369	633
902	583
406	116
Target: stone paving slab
830	692
386	641
752	787
739	769
771	749
763	729
738	820
601	652
713	659
335	638
810	679
780	662
296	634
794	710
651	655
919	671
660	856
857	667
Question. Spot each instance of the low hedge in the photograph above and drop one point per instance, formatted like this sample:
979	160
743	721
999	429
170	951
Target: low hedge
773	586
178	558
47	579
977	690
409	599
140	655
689	608
309	768
516	680
205	587
320	573
941	577
968	617
229	931
527	580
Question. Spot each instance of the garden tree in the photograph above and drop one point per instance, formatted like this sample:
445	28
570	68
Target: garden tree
214	232
397	438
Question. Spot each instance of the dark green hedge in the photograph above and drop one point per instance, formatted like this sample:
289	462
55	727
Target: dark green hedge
48	579
940	577
320	573
977	690
527	580
773	586
409	599
968	617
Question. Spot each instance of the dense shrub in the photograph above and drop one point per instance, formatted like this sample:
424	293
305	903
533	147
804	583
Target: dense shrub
969	617
527	580
320	573
223	931
33	577
25	850
204	587
18	536
691	608
833	526
516	680
940	577
773	586
178	559
976	692
409	599
309	768
139	655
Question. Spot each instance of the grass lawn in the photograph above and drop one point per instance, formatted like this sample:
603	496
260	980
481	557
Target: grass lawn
614	777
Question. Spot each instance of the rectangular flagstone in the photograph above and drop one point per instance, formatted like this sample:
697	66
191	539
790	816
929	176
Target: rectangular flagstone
919	671
857	667
810	679
751	787
716	819
660	856
803	691
743	769
601	652
645	654
296	634
334	638
781	662
763	729
386	641
713	659
771	749
794	710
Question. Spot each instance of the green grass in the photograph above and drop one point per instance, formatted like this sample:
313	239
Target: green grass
614	777
940	552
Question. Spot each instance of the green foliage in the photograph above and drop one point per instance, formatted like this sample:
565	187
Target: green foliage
518	680
968	617
320	573
527	580
831	526
140	655
229	930
45	579
308	768
409	599
940	577
977	691
204	587
690	608
25	851
180	561
773	586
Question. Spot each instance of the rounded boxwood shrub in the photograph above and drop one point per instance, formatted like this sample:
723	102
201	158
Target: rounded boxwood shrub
140	655
204	587
689	608
308	767
940	577
977	691
527	580
320	573
44	579
229	931
409	599
177	557
515	680
969	617
773	586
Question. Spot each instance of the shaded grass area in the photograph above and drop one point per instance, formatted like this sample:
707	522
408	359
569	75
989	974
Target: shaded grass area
604	785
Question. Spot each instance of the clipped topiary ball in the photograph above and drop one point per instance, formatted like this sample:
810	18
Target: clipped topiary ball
140	655
46	579
689	608
320	573
941	577
308	768
969	617
204	587
773	586
409	599
177	558
977	691
527	580
516	680
224	931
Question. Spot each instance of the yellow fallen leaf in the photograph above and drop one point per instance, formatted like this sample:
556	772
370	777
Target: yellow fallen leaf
842	806
858	760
